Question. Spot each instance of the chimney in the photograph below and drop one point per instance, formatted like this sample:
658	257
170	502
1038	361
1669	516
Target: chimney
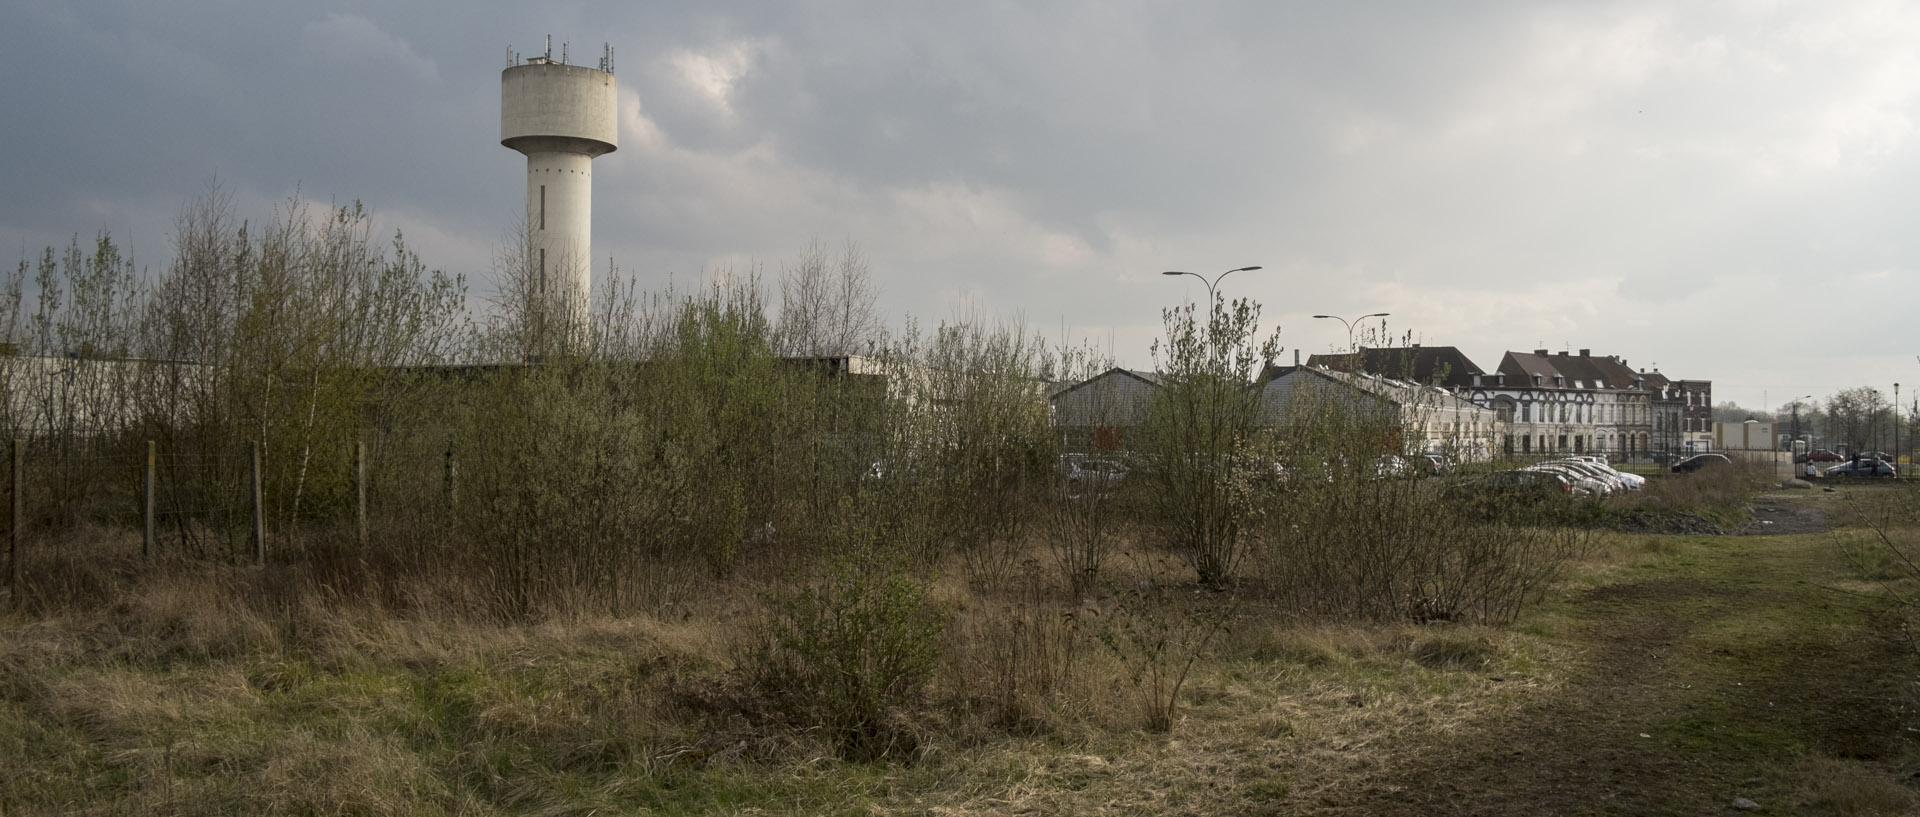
1540	352
1586	352
1296	358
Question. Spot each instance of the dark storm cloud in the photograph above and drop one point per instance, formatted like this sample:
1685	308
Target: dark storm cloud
1671	183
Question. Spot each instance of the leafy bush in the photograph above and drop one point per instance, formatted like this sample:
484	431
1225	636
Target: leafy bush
854	649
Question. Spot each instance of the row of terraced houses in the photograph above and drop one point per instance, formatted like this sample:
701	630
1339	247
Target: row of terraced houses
1535	403
1565	402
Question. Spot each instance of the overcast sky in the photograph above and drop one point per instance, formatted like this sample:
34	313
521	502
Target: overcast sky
1728	190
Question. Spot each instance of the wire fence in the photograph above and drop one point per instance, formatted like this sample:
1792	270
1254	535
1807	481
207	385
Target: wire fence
211	505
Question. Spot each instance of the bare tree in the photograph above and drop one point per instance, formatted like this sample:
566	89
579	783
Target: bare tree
535	315
827	303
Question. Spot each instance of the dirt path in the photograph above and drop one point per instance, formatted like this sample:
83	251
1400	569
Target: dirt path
1707	677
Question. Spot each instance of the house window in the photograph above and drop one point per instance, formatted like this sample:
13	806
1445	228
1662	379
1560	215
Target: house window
1526	444
543	207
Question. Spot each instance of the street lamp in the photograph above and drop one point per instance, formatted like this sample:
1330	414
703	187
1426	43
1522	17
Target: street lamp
1216	278
1350	324
1796	429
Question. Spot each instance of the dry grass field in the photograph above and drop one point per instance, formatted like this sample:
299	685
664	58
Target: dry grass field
1666	675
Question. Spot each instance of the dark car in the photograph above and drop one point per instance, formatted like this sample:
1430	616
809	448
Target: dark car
1699	461
1863	468
1876	455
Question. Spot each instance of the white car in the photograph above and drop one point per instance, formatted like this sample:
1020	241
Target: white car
1634	482
1615	484
1584	484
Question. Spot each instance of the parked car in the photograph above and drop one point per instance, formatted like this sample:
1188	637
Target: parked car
1820	455
1390	466
1581	483
1434	465
1876	455
1699	461
1083	474
1632	482
1606	475
1863	468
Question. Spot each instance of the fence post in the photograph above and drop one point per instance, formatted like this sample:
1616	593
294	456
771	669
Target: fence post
17	456
452	485
360	490
146	506
259	511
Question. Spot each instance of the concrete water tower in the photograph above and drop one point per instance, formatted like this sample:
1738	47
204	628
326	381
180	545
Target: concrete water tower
561	116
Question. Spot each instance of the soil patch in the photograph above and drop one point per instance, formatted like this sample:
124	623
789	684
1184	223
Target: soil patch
1770	515
1779	516
1683	523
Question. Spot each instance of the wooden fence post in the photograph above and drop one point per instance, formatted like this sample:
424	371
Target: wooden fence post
360	490
146	506
17	455
259	511
452	480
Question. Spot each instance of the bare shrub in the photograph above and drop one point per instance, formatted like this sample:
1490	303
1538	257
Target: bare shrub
1351	538
1016	655
967	440
1721	493
1158	639
1198	444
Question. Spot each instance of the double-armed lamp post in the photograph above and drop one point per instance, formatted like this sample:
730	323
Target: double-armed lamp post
1210	283
1351	323
1213	301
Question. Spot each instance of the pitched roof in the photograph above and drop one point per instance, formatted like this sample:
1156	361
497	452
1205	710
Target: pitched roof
1149	378
1577	371
1429	365
1399	392
1521	367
